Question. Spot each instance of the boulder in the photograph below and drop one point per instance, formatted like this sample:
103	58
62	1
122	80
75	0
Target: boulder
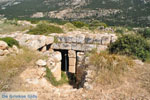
1	52
41	63
3	45
6	52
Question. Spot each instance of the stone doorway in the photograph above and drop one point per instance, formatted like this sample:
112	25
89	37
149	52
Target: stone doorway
65	60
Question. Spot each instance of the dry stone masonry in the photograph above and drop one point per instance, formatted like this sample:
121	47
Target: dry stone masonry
75	46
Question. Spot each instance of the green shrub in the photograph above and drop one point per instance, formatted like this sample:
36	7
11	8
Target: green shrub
79	24
119	31
95	24
10	41
145	32
45	29
52	79
131	45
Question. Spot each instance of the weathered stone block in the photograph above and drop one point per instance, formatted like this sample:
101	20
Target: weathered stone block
80	56
65	46
72	53
105	40
78	47
56	71
72	61
57	56
89	39
97	39
55	46
89	47
80	38
72	69
70	39
49	40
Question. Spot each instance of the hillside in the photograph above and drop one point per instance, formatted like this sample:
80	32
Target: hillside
113	12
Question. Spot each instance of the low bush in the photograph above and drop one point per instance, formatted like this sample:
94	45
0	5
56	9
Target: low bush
131	45
95	24
45	29
119	31
145	32
52	79
109	67
79	24
10	41
69	26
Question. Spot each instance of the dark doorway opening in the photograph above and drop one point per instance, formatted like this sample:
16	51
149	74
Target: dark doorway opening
64	61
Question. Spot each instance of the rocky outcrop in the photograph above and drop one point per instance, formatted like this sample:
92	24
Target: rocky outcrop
6	50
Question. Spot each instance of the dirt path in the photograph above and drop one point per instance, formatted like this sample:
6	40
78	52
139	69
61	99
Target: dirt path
29	80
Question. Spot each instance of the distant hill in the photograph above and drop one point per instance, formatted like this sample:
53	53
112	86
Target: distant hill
113	12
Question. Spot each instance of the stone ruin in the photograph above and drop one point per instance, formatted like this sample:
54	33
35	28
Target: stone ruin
65	51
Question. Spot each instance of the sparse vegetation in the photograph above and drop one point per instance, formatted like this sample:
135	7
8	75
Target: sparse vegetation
119	31
109	68
96	24
145	32
79	24
52	79
131	45
10	41
12	64
69	26
9	26
45	29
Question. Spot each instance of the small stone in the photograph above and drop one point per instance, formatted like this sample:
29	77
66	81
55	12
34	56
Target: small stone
88	86
3	45
41	63
15	49
139	62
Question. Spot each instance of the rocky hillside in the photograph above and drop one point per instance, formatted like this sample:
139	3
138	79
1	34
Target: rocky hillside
134	12
118	12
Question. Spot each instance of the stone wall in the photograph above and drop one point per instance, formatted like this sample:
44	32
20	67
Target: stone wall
83	42
76	44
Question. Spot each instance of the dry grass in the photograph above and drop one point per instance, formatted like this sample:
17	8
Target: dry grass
144	77
6	28
110	68
11	65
